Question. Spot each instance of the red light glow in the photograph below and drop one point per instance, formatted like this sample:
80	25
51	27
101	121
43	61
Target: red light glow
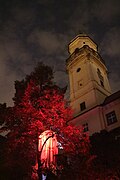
47	146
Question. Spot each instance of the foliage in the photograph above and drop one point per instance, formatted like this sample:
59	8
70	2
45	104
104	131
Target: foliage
39	106
42	75
2	156
3	110
106	147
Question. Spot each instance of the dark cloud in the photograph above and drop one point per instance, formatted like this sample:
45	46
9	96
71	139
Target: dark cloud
106	11
110	49
44	38
111	42
32	31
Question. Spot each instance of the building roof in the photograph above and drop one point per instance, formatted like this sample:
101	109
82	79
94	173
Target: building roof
82	35
112	97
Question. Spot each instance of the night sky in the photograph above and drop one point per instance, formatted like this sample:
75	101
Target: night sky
40	30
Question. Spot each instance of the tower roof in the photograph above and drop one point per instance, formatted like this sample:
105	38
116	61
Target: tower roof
79	41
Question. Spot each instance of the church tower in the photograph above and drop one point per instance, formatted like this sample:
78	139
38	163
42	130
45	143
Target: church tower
88	75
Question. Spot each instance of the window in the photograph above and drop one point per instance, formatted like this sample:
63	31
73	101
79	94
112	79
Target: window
76	50
98	70
102	84
100	77
111	118
85	127
80	84
82	106
78	70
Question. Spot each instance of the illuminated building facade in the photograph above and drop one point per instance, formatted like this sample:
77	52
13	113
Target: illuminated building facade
94	105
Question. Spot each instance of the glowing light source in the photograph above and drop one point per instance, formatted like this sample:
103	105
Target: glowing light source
48	148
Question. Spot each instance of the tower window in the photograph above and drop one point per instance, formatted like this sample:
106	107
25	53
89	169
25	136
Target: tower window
85	127
99	74
111	118
101	82
98	70
80	84
82	106
100	77
78	69
76	50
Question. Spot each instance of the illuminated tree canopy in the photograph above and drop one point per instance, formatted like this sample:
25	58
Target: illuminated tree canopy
40	106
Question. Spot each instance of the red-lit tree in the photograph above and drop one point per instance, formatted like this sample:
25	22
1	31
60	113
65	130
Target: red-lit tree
41	106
